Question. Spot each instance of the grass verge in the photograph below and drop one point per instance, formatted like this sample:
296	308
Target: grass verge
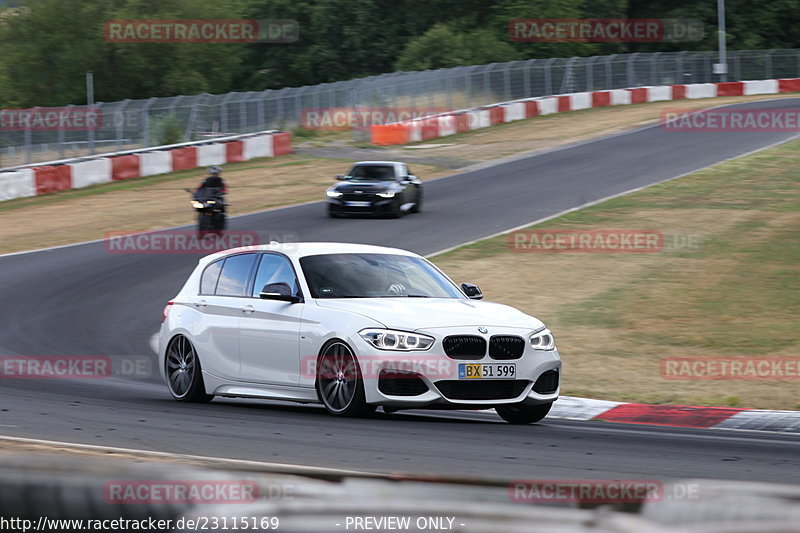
726	285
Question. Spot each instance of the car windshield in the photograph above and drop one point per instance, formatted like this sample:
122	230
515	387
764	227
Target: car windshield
372	172
363	275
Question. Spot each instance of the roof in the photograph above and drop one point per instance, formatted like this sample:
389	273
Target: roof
302	249
378	163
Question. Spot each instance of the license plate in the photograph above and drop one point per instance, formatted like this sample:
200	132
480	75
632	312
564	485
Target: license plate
486	371
358	204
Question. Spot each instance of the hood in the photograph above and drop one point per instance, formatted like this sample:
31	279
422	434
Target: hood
366	186
412	314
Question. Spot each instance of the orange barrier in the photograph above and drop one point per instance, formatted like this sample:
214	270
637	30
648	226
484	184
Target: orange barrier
531	108
386	134
53	178
234	151
678	92
184	158
125	167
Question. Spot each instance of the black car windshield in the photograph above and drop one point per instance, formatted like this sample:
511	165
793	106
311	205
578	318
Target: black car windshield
364	275
372	172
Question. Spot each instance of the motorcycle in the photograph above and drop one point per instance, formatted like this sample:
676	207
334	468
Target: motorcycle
209	204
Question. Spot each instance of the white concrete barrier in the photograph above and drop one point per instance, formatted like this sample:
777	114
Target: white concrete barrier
414	130
580	101
760	87
513	111
620	97
258	146
701	90
211	154
18	184
479	118
659	93
152	163
547	105
92	172
447	125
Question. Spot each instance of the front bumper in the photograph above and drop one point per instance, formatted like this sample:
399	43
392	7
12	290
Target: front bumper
431	378
383	206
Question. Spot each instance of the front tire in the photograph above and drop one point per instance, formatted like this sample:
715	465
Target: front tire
523	412
183	371
418	204
340	386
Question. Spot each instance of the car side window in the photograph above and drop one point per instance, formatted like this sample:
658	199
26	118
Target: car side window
235	275
208	281
274	268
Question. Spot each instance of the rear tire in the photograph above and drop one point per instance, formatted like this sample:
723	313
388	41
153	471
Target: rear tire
183	371
339	384
523	412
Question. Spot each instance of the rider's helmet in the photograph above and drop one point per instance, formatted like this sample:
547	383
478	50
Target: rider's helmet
214	170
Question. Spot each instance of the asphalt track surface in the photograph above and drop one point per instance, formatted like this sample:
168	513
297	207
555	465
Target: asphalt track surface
82	300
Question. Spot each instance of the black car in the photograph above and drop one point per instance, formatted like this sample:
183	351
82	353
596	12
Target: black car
377	188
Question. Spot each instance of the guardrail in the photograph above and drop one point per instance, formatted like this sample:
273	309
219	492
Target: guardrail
43	178
444	124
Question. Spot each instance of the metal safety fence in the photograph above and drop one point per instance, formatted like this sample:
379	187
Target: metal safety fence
131	124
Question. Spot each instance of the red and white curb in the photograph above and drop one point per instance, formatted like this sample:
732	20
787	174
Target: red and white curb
81	172
444	124
684	416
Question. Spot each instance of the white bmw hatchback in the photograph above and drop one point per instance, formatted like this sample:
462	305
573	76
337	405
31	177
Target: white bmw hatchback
353	327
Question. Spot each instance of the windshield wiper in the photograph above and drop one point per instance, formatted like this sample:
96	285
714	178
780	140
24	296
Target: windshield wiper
417	296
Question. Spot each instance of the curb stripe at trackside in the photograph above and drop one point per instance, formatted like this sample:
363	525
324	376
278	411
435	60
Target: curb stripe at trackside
668	415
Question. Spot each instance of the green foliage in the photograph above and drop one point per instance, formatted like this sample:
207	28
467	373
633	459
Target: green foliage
166	129
46	46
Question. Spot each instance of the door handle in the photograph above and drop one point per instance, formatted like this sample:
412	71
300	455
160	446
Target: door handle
248	309
200	303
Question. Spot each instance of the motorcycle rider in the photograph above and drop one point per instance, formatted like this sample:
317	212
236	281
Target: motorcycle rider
213	180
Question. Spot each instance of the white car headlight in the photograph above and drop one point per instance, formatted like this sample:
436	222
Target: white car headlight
543	340
333	194
389	339
386	194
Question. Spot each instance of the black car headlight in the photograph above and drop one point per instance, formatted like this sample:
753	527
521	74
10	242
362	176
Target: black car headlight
402	341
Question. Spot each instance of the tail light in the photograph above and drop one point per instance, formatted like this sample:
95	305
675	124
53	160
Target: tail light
165	312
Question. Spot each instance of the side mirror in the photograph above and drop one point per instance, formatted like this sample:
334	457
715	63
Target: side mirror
473	292
278	291
339	177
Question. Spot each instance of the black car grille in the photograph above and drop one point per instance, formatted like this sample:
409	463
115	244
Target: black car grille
465	347
547	382
490	389
397	383
350	197
506	347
